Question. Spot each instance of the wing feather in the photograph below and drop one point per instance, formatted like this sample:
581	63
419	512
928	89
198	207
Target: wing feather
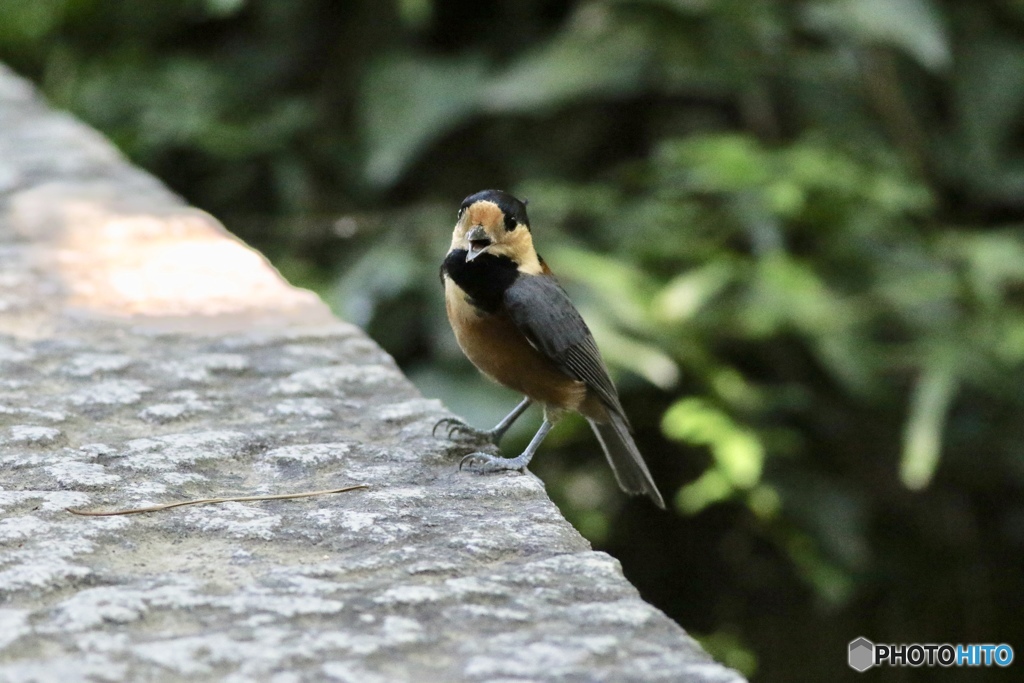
543	312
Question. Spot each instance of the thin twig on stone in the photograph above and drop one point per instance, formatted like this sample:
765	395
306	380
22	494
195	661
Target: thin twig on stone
208	501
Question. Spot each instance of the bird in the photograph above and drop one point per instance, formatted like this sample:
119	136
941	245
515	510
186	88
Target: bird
518	326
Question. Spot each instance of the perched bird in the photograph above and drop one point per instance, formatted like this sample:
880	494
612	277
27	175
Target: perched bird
518	326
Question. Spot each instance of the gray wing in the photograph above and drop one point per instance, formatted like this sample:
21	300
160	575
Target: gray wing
543	312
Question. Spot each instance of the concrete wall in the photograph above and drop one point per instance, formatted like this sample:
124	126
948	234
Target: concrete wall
146	356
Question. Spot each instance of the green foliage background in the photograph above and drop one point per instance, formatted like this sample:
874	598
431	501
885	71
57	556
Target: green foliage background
795	227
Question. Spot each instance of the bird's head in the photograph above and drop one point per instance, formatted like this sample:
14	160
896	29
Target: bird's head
494	222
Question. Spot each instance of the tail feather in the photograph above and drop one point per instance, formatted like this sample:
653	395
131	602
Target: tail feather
624	457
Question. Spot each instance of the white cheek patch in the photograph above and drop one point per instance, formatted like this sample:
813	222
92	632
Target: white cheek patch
519	247
458	237
531	266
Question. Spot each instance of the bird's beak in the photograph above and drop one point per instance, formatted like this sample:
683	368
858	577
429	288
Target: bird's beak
478	242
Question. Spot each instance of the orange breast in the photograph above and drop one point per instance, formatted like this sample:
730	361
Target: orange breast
499	350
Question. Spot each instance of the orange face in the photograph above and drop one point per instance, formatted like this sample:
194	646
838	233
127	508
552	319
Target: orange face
481	229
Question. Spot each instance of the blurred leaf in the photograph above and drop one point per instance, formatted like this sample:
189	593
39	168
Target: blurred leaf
26	21
831	584
408	101
683	6
731	386
712	487
416	13
739	455
382	272
994	261
914	26
789	292
765	502
623	288
922	440
729	649
225	8
988	100
683	296
646	360
1009	346
718	163
837	517
596	57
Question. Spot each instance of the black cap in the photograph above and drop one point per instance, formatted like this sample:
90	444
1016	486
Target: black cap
514	210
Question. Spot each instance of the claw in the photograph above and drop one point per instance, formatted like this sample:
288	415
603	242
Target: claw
449	421
493	463
457	427
469	458
484	462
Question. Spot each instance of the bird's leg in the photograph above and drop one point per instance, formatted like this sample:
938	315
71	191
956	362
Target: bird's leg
456	426
499	430
484	462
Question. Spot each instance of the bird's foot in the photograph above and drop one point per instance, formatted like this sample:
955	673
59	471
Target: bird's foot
485	462
457	428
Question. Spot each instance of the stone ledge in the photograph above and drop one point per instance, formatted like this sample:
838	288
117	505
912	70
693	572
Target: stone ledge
148	356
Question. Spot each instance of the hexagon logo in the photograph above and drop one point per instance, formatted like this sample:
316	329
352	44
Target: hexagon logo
862	654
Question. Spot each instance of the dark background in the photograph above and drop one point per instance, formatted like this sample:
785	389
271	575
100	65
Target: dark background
795	228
